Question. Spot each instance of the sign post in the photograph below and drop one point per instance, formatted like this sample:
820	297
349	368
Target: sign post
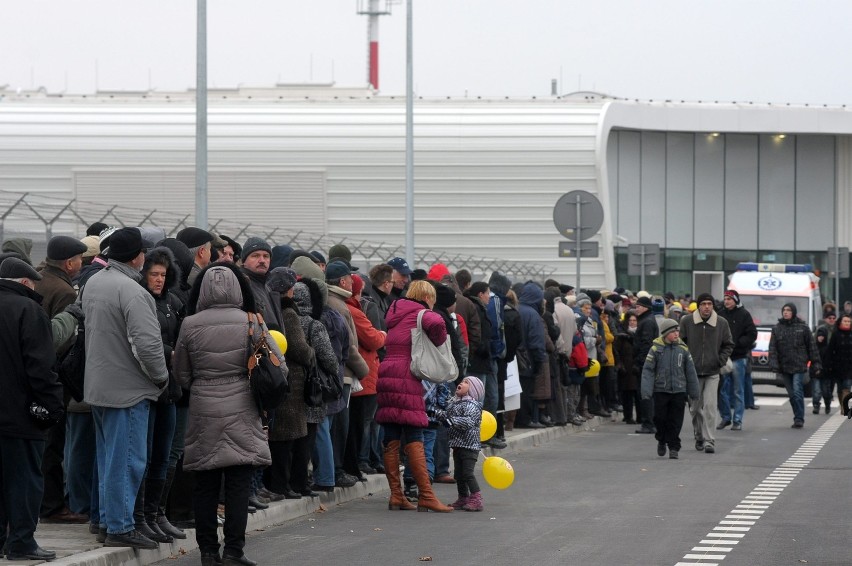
643	259
838	264
578	216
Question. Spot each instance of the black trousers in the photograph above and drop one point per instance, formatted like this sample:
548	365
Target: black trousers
301	454
668	417
21	490
359	408
237	490
51	468
464	462
277	476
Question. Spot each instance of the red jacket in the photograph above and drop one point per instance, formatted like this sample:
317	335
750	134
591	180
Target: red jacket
369	342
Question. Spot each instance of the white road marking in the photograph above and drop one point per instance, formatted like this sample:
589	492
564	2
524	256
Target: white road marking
773	401
753	505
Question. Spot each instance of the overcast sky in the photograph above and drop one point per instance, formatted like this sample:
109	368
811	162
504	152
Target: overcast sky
768	51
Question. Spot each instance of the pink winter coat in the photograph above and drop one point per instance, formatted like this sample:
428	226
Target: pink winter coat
400	394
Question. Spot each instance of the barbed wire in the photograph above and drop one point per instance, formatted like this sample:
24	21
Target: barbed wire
18	211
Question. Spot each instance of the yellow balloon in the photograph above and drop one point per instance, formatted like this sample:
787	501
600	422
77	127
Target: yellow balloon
594	368
488	426
280	340
498	472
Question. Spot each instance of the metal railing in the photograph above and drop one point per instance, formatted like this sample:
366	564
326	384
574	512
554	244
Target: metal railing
39	217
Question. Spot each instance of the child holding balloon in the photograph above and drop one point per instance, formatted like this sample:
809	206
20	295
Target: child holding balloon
464	417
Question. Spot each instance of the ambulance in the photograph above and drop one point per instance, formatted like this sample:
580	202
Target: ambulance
764	289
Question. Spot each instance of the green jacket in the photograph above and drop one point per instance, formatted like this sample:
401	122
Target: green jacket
669	369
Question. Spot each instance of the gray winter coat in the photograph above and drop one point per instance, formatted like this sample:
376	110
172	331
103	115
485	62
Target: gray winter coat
224	427
669	369
125	363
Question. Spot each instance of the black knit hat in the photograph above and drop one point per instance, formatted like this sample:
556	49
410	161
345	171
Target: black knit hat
255	244
644	302
95	228
61	248
125	244
705	297
444	296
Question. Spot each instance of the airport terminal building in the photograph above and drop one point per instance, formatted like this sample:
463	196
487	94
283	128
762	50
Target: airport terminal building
711	183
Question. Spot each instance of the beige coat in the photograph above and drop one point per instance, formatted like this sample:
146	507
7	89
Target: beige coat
224	427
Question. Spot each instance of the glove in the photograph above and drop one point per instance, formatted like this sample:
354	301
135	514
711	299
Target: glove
74	310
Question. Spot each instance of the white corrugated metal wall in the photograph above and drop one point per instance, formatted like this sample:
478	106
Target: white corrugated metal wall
487	173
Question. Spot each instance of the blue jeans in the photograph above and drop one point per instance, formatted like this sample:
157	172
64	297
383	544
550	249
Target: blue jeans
161	431
732	388
80	460
429	435
324	455
122	437
794	383
822	387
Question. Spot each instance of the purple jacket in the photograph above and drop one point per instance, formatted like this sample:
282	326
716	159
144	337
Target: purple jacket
400	394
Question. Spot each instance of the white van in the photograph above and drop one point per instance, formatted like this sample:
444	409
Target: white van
766	287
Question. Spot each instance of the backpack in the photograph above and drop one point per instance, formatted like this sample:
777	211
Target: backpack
71	369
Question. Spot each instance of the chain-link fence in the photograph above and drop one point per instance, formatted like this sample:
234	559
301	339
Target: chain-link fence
39	217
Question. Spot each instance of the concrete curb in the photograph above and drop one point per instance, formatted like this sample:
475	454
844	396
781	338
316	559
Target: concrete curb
75	546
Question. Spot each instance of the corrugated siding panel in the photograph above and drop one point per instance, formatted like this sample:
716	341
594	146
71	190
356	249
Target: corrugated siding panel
293	199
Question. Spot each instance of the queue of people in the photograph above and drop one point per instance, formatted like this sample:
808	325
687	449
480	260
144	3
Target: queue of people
166	433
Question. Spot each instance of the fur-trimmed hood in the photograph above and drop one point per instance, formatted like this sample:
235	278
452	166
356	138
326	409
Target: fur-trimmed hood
162	255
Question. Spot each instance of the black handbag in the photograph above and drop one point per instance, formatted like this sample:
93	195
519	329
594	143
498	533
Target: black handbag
320	387
267	379
525	367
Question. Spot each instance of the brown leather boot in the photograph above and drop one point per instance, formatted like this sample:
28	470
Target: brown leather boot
417	460
398	500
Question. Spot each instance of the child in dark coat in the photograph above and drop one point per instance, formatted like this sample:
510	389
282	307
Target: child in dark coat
464	417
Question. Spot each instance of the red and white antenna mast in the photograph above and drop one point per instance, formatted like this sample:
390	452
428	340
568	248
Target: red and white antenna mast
373	9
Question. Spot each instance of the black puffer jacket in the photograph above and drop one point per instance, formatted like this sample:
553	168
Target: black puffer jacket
792	346
646	333
743	331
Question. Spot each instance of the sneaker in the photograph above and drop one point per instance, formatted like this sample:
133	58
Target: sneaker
673	455
497	443
723	424
709	449
661	449
699	445
133	539
737	426
798	424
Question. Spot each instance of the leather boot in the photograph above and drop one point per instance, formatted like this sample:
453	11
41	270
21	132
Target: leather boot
153	493
843	395
417	461
139	514
391	460
162	521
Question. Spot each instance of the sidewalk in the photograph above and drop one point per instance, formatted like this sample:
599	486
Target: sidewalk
75	546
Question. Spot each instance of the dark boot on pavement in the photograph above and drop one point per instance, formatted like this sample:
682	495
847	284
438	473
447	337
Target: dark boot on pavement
417	460
398	501
153	494
163	521
474	502
132	539
139	515
229	560
210	559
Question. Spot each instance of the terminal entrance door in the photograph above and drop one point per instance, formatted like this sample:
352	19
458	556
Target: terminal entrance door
712	282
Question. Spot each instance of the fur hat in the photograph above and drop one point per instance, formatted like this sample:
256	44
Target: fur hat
475	387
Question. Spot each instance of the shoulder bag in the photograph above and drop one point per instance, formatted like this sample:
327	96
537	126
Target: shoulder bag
431	363
320	387
267	379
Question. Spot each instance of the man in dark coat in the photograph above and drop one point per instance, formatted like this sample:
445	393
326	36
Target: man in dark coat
646	333
31	402
257	258
732	385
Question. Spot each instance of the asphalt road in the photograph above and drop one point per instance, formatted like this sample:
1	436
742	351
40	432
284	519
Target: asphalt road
770	495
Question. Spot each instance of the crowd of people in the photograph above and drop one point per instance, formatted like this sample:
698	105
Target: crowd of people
166	433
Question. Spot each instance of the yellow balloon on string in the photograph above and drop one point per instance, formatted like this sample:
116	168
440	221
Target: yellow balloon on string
280	339
498	472
488	426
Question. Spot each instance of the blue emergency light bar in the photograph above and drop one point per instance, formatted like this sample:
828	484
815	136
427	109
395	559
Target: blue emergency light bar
775	267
